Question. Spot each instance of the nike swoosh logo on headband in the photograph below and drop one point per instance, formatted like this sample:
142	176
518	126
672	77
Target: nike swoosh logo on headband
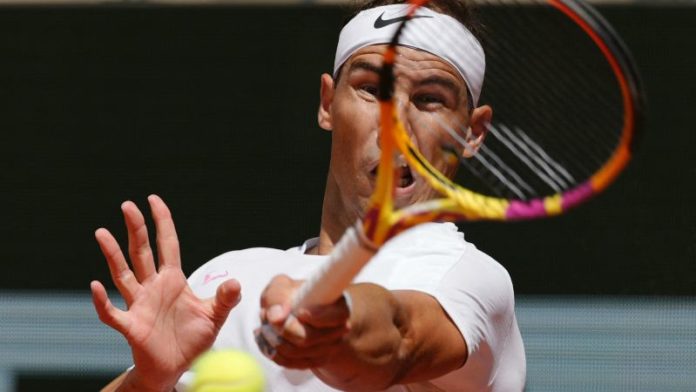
379	23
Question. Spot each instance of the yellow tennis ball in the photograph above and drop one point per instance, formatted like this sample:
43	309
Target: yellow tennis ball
227	371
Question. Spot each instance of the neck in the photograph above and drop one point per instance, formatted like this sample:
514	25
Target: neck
335	219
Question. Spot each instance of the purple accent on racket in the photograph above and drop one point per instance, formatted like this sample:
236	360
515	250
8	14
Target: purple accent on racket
525	209
577	195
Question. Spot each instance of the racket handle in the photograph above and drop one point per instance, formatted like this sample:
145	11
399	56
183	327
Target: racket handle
325	285
348	257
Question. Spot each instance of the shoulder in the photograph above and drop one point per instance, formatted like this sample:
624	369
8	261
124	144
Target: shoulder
416	259
478	295
469	284
477	272
473	289
433	258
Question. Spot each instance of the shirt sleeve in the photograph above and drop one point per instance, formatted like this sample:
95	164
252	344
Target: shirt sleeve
474	290
478	296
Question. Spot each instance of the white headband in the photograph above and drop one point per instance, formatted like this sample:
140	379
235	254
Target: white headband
436	33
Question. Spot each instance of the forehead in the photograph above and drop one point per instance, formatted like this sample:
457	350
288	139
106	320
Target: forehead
409	61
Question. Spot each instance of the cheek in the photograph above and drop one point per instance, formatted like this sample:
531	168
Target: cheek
357	113
355	127
432	139
343	151
441	161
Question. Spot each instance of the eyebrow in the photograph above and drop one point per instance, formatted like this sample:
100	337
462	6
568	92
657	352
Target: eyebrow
365	66
440	81
450	85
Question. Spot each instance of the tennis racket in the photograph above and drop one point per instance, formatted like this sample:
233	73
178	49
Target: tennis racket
567	105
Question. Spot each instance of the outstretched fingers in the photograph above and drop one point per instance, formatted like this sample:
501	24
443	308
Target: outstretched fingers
138	242
108	313
167	240
121	274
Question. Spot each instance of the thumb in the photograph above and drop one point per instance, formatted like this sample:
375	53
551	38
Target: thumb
228	295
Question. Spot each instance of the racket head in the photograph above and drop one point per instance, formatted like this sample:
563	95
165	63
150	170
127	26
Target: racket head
567	106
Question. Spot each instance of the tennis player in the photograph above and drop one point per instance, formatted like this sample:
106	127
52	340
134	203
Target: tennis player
429	312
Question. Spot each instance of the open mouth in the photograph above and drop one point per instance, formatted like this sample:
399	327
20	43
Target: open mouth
403	176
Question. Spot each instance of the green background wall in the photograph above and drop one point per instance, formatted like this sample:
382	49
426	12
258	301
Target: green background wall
214	108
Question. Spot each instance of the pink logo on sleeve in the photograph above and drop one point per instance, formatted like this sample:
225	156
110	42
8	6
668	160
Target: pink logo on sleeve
214	276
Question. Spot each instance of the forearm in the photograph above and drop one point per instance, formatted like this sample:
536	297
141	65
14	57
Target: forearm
385	338
396	337
375	354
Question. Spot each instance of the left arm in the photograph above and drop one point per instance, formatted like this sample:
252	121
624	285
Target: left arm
386	338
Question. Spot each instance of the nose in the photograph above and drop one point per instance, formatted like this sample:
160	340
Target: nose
403	110
402	105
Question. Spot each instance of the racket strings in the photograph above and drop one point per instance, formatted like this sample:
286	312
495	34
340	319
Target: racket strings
552	35
489	160
557	109
533	156
500	177
567	111
539	42
548	162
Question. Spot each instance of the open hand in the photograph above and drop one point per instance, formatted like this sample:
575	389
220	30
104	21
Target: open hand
166	325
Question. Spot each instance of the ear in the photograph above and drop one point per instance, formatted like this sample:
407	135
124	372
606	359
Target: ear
478	128
326	99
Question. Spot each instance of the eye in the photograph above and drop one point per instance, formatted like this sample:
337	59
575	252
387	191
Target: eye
369	88
429	101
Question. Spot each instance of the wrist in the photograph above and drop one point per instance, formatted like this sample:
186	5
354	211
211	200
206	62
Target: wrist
140	382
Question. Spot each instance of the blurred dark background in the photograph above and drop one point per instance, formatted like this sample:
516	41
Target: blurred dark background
214	108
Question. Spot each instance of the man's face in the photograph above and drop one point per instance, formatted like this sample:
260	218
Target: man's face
428	91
